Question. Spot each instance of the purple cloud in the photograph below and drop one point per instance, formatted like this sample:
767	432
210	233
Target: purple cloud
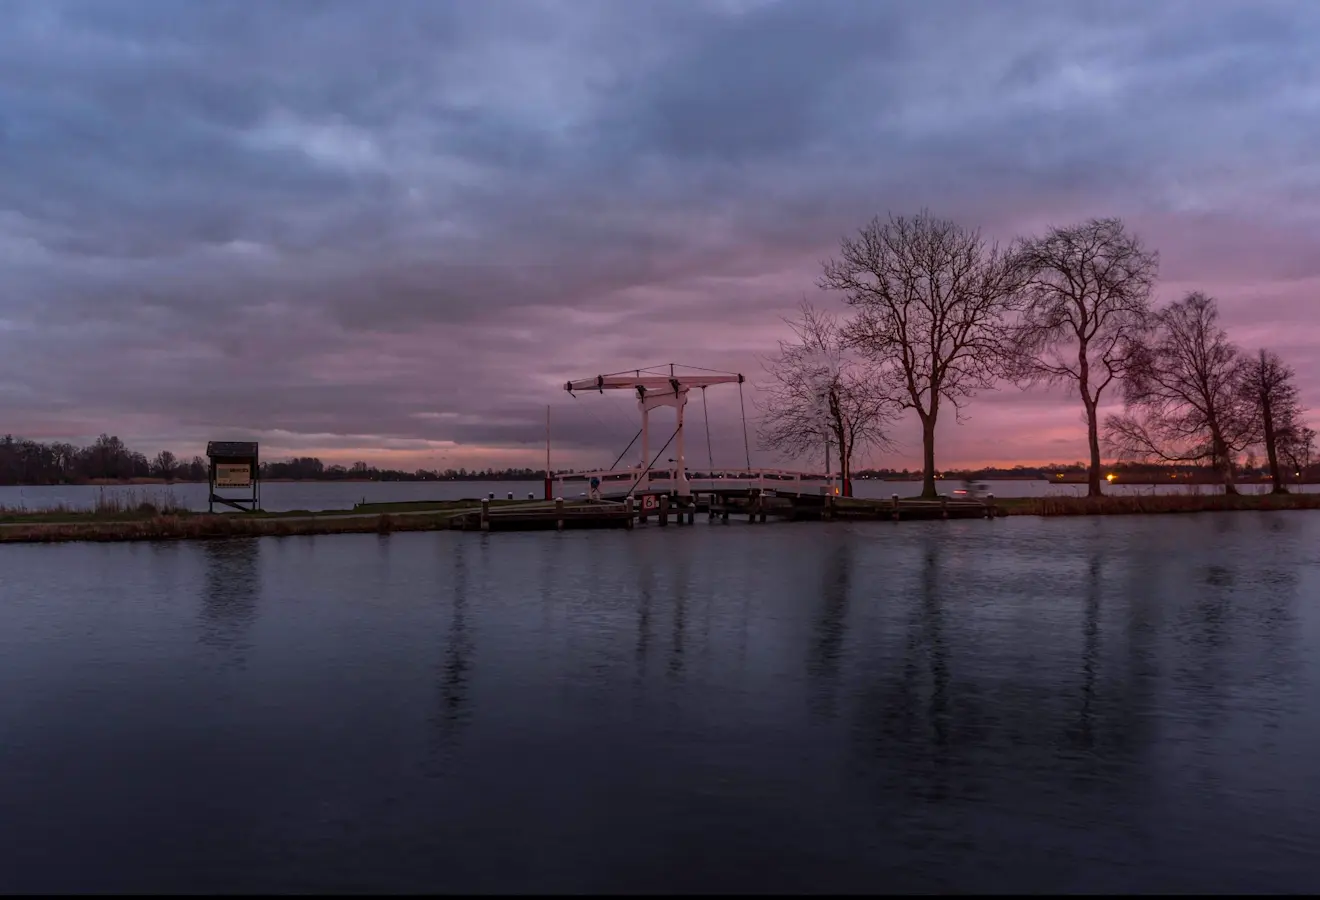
394	233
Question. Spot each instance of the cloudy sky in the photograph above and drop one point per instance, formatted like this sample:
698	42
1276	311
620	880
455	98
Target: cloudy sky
392	230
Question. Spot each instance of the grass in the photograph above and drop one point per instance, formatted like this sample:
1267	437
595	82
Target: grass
115	505
1149	504
127	517
198	527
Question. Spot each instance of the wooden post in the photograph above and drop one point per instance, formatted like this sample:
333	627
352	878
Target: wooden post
628	505
664	510
485	514
895	497
944	507
559	513
989	506
828	512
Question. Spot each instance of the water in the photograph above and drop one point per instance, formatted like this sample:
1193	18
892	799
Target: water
279	496
1109	704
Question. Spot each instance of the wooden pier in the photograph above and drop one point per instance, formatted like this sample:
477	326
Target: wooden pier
753	507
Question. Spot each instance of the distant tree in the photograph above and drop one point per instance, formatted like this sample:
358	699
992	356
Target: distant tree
821	396
198	469
1086	301
1270	387
1183	393
1298	448
164	465
931	299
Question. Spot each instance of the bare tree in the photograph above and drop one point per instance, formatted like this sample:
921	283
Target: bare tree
1298	448
1269	385
1183	393
821	396
1086	301
931	298
164	465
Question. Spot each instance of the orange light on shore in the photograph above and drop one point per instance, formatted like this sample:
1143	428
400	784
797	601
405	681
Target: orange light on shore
1110	477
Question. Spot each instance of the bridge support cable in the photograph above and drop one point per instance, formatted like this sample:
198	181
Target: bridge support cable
647	471
626	449
746	450
710	457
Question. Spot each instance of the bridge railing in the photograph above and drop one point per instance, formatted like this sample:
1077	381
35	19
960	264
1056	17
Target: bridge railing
617	480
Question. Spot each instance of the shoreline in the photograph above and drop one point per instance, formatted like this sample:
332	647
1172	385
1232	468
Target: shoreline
387	518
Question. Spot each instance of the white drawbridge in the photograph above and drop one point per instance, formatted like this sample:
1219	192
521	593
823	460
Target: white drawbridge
671	385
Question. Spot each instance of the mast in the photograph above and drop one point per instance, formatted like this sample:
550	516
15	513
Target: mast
548	486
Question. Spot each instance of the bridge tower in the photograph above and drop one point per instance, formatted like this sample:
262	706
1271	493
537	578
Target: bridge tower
654	390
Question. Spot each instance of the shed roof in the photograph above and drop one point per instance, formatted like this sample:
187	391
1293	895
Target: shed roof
246	449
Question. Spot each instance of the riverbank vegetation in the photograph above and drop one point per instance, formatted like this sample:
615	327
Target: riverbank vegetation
938	314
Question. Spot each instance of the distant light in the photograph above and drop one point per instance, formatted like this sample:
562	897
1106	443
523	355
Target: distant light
1060	475
1109	477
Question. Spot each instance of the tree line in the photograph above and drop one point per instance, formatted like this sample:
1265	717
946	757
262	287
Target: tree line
934	314
29	462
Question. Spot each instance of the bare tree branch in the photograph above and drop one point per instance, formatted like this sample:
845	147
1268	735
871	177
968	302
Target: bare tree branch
821	396
931	298
1269	385
1086	301
1183	393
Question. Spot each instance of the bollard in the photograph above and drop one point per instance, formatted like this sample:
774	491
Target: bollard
510	495
628	505
559	513
664	510
485	514
531	496
491	495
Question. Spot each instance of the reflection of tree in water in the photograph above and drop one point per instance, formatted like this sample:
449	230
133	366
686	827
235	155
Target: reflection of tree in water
1236	634
825	655
456	664
682	570
960	707
231	588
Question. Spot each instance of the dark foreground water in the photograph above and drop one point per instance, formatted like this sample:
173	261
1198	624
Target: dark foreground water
1023	704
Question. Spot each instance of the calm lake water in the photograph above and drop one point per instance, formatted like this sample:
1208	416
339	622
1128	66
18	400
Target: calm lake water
314	495
1111	704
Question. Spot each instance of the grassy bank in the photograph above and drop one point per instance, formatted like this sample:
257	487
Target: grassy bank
145	522
1152	504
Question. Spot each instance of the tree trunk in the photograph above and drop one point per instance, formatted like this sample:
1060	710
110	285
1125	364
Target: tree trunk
845	467
1271	447
1093	437
1224	463
928	453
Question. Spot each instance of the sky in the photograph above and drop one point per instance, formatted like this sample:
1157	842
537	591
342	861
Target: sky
392	231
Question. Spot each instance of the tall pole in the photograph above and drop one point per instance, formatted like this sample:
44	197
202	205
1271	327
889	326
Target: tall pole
548	492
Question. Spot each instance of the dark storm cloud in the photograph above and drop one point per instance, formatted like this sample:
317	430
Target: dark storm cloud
343	225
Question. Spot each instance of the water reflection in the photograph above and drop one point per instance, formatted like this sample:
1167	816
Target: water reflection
681	575
230	592
825	655
455	710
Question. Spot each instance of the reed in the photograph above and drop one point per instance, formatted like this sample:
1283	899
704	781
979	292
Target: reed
1153	504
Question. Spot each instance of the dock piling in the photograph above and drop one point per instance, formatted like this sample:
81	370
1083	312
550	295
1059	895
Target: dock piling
485	514
944	507
628	505
664	510
895	499
559	513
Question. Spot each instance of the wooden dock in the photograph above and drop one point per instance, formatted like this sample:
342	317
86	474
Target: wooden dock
753	507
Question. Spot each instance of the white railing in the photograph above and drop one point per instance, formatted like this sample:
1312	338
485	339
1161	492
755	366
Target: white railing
623	481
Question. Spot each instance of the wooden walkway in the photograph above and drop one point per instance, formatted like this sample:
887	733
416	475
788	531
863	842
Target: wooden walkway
717	507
